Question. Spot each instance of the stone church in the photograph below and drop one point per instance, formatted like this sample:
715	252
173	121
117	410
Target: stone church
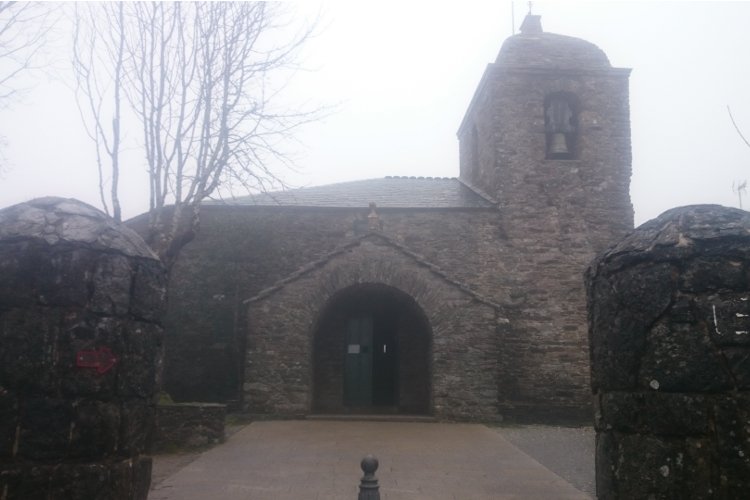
459	298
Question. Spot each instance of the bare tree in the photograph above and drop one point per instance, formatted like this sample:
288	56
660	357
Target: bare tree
98	57
203	80
24	27
24	30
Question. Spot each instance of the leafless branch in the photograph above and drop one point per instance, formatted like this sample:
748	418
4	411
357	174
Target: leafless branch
737	128
24	29
99	82
204	79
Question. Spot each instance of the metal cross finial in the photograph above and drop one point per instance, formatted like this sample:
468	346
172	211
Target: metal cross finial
531	5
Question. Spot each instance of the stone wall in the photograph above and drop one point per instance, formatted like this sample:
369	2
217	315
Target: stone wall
80	353
554	215
188	425
242	250
669	316
467	332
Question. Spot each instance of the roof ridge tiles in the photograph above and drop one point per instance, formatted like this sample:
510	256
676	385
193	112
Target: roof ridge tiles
386	192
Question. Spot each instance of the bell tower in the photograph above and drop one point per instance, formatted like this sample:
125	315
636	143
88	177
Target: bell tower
548	129
547	136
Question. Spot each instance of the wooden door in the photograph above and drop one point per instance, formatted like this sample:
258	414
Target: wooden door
358	363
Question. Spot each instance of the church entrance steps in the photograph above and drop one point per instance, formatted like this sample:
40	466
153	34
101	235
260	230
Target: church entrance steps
425	419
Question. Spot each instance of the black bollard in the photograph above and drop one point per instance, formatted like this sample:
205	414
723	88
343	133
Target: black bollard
368	486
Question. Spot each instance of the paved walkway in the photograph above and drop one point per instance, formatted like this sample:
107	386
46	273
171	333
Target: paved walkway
320	460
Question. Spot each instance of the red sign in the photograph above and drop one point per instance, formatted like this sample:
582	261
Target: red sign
102	359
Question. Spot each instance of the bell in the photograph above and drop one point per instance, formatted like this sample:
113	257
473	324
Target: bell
558	147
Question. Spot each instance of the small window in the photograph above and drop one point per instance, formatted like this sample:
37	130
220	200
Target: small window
561	126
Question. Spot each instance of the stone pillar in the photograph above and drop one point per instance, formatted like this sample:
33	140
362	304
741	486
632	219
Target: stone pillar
80	353
669	326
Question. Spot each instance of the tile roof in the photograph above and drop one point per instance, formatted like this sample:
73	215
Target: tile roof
388	192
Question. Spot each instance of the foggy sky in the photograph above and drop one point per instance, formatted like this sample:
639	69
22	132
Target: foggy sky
399	77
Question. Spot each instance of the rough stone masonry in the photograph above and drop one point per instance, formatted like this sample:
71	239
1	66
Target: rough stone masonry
669	319
497	254
80	353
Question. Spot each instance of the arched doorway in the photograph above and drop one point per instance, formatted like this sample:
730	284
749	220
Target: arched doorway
371	353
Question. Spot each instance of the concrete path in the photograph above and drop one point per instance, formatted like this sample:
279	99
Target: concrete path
320	460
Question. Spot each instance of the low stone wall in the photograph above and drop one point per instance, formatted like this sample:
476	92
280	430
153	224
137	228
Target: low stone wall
188	425
80	353
669	319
